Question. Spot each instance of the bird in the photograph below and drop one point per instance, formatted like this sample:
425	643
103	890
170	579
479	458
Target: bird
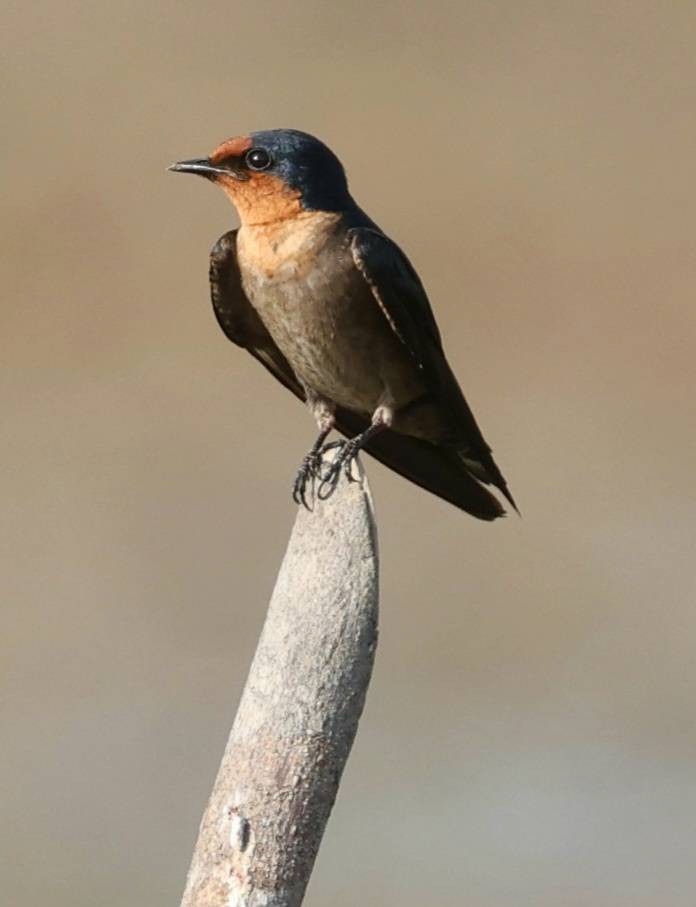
336	312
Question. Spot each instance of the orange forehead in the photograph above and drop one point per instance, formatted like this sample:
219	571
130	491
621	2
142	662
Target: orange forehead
231	148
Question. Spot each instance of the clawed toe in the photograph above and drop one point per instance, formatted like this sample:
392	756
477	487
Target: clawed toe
307	473
342	462
314	469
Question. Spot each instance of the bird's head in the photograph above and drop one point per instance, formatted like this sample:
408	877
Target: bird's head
274	175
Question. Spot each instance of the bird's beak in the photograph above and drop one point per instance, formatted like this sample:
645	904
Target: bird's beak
203	167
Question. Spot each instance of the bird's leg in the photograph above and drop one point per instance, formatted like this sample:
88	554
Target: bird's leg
382	418
323	411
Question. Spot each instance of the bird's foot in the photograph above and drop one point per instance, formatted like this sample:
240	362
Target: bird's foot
310	469
342	462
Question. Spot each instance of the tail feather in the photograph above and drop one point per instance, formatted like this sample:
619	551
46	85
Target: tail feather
486	471
439	470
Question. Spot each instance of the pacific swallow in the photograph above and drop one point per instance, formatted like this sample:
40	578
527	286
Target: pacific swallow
332	307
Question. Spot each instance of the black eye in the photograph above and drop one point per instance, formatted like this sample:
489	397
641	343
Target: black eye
257	159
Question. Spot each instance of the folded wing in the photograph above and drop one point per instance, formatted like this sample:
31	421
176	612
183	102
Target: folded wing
400	295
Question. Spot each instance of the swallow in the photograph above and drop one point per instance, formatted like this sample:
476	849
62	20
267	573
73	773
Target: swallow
333	308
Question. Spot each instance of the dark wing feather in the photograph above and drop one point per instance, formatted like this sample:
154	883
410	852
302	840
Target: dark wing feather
401	296
237	317
438	470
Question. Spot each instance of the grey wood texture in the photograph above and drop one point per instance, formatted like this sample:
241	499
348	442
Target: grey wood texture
298	714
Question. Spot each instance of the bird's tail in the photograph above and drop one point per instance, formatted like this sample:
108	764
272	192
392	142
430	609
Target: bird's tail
440	470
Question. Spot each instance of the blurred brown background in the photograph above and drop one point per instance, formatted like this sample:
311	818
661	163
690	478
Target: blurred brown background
529	739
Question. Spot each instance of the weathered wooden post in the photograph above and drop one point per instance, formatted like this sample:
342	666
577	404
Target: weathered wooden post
298	714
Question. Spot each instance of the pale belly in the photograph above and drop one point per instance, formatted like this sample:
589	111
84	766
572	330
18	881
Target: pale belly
332	332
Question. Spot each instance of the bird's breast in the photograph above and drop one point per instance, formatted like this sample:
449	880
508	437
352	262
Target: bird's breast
321	314
281	247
